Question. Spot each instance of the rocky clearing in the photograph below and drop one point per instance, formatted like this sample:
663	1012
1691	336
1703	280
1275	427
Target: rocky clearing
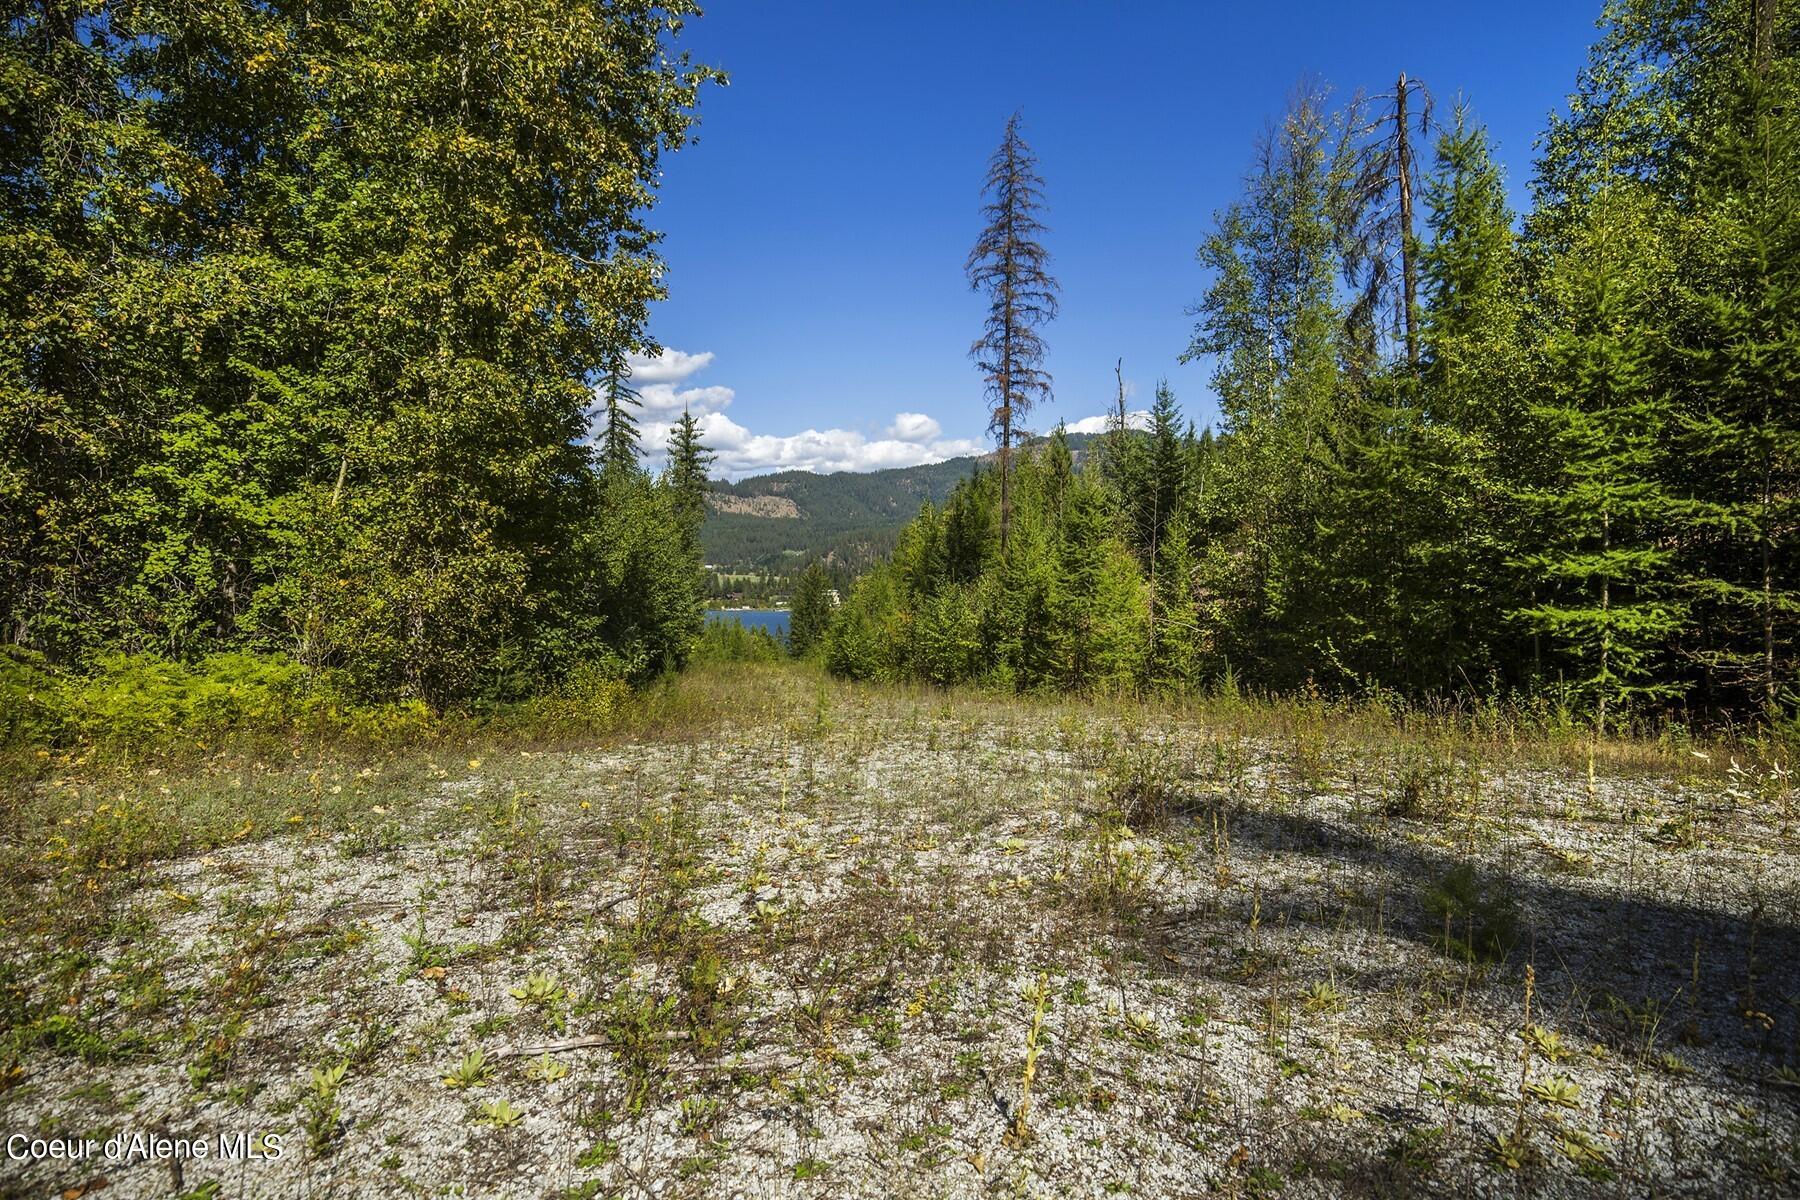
832	941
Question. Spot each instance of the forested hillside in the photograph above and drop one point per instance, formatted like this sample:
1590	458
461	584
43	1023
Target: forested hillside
1461	451
848	516
768	522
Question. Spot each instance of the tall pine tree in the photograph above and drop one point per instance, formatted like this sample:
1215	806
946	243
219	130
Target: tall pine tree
1738	357
810	612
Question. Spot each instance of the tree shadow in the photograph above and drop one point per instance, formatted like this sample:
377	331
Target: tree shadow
1643	974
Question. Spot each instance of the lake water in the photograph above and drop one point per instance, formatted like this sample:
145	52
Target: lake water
775	620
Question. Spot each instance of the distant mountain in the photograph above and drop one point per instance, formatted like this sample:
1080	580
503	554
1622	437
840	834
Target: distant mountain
773	523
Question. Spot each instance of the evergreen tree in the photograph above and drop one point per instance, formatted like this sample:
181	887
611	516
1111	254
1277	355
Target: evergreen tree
810	613
1096	599
920	554
1468	265
689	460
1738	356
1397	586
1016	596
947	637
619	438
1010	266
866	632
1177	644
639	606
1608	514
1272	324
1471	420
1161	487
968	526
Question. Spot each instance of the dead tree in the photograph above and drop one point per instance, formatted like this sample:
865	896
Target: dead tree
1379	212
1010	266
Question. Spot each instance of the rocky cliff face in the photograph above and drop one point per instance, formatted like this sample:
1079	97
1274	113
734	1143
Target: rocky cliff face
753	506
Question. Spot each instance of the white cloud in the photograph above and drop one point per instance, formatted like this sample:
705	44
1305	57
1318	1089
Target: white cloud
910	440
914	427
659	398
666	398
670	366
741	452
1138	418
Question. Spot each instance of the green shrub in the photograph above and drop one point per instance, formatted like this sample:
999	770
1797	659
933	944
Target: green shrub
1145	787
591	698
30	712
401	721
865	628
724	640
1424	783
139	698
143	702
1480	922
140	702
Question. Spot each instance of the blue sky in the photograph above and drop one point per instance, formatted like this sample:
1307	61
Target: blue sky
816	229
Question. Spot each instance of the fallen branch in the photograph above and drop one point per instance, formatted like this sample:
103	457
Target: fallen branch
767	1066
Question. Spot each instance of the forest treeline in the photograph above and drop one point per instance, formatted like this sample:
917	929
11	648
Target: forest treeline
302	313
1459	452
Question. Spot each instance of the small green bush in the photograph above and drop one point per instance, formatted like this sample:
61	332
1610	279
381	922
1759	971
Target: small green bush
29	698
727	641
590	699
1423	783
1480	923
139	698
143	703
1144	786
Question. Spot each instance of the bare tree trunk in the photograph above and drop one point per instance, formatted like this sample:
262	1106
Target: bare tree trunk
1008	264
1006	448
1006	406
1605	619
1762	36
1768	594
1005	485
1408	268
1119	398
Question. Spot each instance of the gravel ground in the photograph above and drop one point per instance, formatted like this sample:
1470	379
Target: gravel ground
813	955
